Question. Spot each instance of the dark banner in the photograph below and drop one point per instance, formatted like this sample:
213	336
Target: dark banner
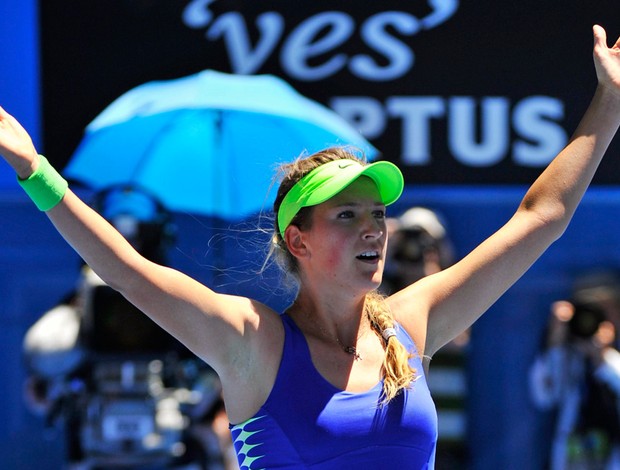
453	92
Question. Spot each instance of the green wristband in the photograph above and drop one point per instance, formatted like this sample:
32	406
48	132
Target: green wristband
45	186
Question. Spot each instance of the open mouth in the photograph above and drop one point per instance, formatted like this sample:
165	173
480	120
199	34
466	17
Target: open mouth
368	256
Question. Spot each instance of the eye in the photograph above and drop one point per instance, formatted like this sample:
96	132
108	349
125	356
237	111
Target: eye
345	214
379	214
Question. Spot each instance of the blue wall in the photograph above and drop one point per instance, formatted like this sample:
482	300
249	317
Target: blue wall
19	70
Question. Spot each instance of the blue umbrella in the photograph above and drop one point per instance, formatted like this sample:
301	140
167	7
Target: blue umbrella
206	143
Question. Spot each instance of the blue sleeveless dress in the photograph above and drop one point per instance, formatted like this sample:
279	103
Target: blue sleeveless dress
308	423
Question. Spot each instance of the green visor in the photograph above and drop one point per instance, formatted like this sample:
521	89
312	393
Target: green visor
329	179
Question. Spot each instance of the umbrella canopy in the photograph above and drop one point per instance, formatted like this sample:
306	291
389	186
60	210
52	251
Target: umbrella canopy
207	143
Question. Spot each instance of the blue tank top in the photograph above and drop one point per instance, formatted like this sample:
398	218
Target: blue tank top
306	422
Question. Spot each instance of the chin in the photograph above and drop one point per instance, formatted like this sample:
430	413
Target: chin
366	285
376	281
371	280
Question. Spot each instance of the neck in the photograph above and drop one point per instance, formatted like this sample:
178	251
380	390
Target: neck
331	309
340	323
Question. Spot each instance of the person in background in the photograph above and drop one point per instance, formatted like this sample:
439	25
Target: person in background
421	246
336	381
576	376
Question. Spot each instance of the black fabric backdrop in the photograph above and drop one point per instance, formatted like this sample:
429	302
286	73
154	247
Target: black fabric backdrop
94	51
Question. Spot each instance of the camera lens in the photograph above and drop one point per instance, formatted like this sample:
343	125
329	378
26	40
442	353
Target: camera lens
586	320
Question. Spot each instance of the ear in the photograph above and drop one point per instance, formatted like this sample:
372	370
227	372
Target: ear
295	241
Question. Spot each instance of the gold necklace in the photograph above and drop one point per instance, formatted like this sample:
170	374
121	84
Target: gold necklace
352	350
348	349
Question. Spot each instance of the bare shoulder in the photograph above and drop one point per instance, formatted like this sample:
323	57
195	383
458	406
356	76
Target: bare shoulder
410	308
259	333
253	365
250	311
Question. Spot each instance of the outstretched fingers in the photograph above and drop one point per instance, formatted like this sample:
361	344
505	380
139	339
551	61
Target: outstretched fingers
600	36
4	117
606	59
16	145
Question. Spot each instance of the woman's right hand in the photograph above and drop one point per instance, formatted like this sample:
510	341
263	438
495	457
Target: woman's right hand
16	146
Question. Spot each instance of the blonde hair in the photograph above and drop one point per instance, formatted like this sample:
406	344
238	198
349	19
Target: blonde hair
397	372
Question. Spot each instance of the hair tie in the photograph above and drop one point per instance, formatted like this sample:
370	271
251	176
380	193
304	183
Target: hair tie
388	333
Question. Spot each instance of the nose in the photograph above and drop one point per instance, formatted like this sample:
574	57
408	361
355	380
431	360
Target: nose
373	228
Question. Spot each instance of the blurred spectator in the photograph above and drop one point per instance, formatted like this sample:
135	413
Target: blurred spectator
420	246
576	376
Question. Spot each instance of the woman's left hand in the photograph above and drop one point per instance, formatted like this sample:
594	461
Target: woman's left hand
606	60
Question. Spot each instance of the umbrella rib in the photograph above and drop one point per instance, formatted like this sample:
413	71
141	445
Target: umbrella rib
147	152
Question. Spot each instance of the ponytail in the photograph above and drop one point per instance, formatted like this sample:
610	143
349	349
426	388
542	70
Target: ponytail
397	373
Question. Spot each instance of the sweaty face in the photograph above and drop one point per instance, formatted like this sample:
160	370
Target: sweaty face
346	240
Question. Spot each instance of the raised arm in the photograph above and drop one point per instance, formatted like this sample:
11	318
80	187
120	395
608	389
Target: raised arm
223	330
452	300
